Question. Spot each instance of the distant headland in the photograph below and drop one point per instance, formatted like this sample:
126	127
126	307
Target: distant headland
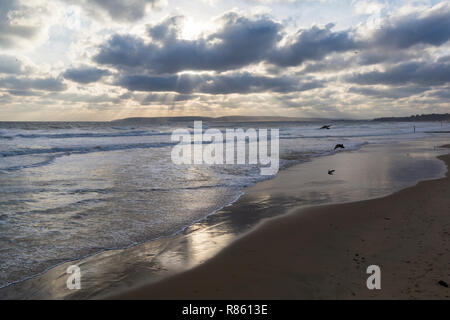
414	118
417	118
219	119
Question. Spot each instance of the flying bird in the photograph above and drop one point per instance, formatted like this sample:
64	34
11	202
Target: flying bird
331	172
339	146
328	127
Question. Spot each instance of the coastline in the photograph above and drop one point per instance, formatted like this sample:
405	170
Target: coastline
322	252
369	173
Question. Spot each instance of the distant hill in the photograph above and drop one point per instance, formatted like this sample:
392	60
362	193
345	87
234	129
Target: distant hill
138	120
418	118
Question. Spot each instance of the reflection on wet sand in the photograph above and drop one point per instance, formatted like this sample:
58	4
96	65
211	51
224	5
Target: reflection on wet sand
372	172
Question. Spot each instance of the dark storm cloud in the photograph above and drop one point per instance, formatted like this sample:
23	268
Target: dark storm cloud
444	59
409	72
11	31
432	28
371	57
124	51
181	83
313	44
85	74
168	30
391	93
121	10
219	84
392	43
244	41
404	38
338	62
44	84
240	42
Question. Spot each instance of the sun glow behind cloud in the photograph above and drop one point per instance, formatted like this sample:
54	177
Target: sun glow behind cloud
193	29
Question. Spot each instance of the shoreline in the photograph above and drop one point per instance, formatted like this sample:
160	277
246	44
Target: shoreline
164	237
120	270
322	252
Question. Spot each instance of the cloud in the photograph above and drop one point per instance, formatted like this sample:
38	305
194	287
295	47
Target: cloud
382	56
85	74
120	10
317	69
5	98
431	27
220	84
44	84
313	44
390	93
12	29
24	93
10	64
443	93
368	7
330	64
166	31
241	41
422	73
83	98
386	44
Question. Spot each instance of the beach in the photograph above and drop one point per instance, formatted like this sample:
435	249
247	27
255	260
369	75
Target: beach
222	150
323	252
276	239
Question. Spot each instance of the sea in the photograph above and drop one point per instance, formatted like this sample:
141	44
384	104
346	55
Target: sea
72	189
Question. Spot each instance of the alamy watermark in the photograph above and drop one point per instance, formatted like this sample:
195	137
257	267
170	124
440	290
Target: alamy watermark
374	280
74	280
236	146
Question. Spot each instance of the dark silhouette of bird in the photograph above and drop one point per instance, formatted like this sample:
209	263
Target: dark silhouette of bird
339	146
328	127
331	172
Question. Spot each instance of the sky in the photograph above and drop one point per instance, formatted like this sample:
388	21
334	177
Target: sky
99	60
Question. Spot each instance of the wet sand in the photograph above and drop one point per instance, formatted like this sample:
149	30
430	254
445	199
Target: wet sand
323	253
293	261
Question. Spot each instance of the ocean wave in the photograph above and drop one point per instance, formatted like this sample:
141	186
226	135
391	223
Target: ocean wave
85	135
343	136
82	150
48	161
